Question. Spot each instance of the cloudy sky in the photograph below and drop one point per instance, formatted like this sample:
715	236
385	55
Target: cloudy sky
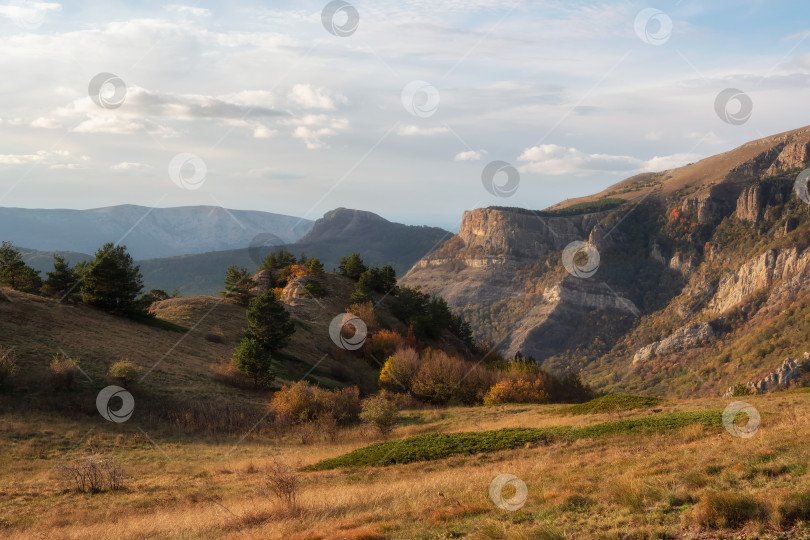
394	107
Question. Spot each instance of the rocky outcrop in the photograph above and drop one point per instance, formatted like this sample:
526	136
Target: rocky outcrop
589	295
794	155
683	338
264	280
750	204
783	376
521	234
783	271
705	207
681	263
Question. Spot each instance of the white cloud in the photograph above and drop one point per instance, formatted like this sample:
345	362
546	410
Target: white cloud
411	131
130	166
313	128
42	156
189	10
552	159
471	155
307	97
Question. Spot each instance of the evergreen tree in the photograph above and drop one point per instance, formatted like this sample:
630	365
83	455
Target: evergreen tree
316	267
238	283
113	282
254	361
268	322
63	280
352	266
14	272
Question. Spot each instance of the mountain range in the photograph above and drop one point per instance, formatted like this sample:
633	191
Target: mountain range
147	232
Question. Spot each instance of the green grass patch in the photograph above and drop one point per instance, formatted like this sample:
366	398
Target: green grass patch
433	446
612	403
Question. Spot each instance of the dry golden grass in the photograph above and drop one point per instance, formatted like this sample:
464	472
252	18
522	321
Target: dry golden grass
187	486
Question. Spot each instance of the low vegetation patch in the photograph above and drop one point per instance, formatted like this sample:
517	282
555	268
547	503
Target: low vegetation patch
729	509
613	403
434	446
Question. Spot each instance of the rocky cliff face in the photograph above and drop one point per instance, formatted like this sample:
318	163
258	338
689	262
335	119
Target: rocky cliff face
675	284
520	233
683	338
778	272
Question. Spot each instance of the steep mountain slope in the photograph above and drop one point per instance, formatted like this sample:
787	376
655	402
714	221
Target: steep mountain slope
159	232
337	234
693	265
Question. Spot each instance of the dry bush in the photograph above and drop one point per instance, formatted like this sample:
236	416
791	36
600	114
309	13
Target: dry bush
62	372
302	403
92	474
439	375
8	365
384	343
728	509
282	482
366	312
517	391
227	373
399	370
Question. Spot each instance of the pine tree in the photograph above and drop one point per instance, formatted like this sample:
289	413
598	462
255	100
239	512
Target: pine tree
352	266
254	361
113	281
268	322
238	283
63	280
14	272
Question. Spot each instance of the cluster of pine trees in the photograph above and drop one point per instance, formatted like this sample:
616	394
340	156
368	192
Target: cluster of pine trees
111	281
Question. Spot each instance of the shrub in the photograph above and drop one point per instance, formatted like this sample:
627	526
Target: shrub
517	391
475	384
282	481
63	372
215	337
296	402
343	405
740	390
8	365
302	403
365	311
124	371
438	376
380	412
728	509
795	508
93	474
399	370
384	343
